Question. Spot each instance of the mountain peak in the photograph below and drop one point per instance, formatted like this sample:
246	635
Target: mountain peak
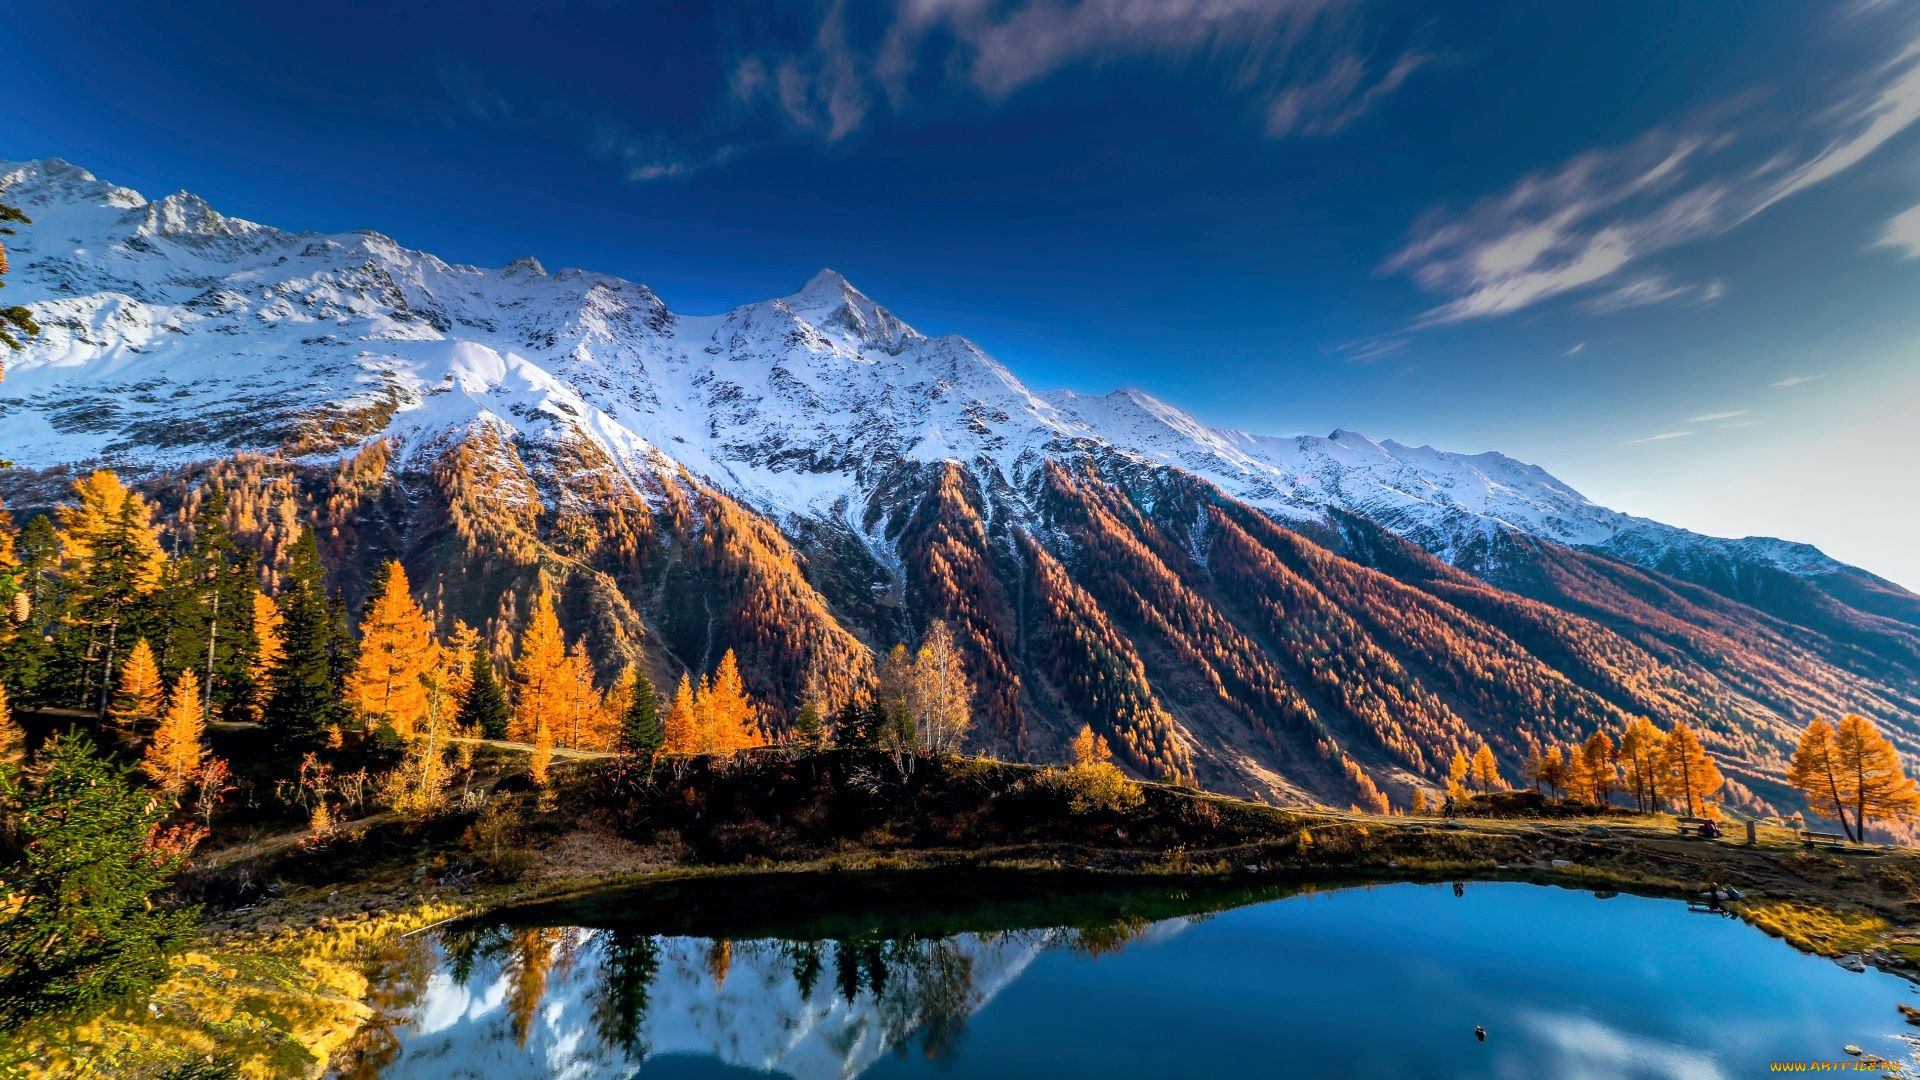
831	303
526	264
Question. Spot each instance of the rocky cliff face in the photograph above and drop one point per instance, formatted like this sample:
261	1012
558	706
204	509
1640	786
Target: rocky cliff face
807	479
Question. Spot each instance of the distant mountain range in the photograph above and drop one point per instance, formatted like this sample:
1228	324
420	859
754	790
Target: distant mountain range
808	479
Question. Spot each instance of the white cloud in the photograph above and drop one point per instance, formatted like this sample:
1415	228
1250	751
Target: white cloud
1708	418
1653	289
1662	437
1603	212
1299	58
1792	381
1903	232
1576	350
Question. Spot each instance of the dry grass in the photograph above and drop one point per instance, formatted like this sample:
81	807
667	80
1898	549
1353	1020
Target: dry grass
274	1004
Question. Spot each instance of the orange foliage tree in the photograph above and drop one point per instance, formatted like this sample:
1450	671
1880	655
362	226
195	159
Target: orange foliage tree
174	754
396	649
141	694
541	679
1852	769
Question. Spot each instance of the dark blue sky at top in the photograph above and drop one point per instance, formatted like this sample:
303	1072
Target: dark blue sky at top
1108	198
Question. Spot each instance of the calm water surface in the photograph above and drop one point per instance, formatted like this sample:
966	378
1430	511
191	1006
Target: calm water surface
1379	982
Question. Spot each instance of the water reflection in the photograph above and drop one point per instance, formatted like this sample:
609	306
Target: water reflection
1398	977
567	1001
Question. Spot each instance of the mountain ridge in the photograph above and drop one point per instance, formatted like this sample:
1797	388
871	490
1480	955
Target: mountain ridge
809	479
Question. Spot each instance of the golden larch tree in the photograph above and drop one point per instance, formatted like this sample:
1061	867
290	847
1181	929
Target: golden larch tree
1640	759
1089	748
542	760
141	695
1692	777
99	501
682	731
541	679
1486	771
1457	771
581	703
1852	770
174	754
729	715
1599	773
271	647
396	649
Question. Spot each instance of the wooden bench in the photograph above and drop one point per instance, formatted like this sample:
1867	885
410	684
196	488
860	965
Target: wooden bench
1822	839
1696	825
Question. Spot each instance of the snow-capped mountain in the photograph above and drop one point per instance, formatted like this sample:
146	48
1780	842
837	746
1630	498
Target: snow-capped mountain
810	480
173	333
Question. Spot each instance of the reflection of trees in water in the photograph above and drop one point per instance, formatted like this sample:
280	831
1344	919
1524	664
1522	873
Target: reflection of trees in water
881	993
628	964
397	972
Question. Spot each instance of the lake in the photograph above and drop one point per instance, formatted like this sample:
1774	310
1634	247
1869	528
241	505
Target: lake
1381	981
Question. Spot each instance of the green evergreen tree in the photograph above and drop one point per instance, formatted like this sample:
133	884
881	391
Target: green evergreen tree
84	933
641	732
484	708
808	728
208	594
108	607
307	681
27	661
861	724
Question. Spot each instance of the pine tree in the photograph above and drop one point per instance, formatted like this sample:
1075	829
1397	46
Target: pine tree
1692	777
113	562
1640	748
141	696
175	752
83	932
680	728
484	708
13	752
641	732
397	650
307	681
1852	769
540	675
808	729
206	607
1550	771
1486	771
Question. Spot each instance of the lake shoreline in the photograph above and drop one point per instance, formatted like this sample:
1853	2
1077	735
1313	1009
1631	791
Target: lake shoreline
784	829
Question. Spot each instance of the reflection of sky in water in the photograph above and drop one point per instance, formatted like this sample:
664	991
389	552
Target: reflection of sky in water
1380	982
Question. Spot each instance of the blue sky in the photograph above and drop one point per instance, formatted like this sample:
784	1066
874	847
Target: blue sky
1665	249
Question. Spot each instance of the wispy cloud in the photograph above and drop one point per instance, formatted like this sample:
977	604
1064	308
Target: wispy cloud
1792	381
1576	350
1903	232
1662	437
1327	105
1604	212
1651	289
1708	418
1371	349
1304	63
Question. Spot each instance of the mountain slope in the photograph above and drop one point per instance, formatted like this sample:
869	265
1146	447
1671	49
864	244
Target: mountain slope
808	479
